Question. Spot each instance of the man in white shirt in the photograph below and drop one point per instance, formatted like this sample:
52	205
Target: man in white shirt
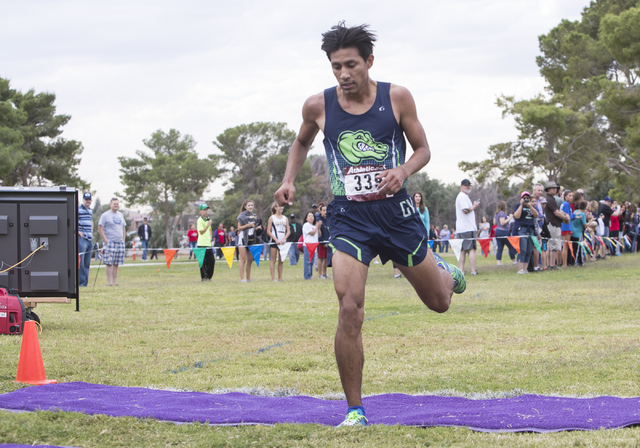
466	227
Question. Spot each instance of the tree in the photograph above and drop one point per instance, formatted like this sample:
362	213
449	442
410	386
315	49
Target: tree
593	64
254	158
32	151
169	178
554	142
584	131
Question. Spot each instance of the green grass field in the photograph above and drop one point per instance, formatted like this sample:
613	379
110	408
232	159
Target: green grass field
572	332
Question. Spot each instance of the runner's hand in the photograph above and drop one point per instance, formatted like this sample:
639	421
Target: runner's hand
284	195
391	180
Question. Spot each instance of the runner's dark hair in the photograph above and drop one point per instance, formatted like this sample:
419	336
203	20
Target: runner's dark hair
340	37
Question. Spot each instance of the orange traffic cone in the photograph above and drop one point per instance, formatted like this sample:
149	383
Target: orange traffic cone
30	365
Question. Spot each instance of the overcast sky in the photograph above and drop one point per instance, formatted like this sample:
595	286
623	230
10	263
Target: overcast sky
124	69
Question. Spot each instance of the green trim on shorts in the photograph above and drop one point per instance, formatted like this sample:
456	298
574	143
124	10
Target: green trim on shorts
357	248
333	248
410	261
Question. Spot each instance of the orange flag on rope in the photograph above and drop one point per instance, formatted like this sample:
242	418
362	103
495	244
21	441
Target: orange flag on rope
311	247
515	242
571	249
169	254
484	244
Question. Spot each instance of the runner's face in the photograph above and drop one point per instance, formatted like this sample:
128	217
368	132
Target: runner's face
350	70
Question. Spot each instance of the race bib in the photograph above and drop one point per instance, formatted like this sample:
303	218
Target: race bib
250	231
361	183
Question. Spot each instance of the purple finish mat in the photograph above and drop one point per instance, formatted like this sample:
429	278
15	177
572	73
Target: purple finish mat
524	413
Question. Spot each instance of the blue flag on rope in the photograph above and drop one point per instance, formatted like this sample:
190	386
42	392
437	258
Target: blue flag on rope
430	244
256	251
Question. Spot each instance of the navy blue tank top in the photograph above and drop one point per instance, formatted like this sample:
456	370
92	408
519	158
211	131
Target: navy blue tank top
358	146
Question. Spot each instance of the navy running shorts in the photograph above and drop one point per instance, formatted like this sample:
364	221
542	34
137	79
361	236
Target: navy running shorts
388	227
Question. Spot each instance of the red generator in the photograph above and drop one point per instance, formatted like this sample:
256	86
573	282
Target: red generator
12	312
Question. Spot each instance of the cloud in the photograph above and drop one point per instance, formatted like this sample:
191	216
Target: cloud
124	69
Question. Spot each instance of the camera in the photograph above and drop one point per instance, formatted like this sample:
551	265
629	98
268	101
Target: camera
526	201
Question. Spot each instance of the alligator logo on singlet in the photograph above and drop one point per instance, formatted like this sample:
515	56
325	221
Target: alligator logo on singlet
360	145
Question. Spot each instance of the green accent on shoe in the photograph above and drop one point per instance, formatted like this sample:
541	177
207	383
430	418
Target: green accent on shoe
459	282
354	418
357	248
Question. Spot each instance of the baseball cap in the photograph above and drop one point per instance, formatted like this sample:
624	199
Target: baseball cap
314	206
203	207
525	193
607	199
292	215
465	182
87	195
543	200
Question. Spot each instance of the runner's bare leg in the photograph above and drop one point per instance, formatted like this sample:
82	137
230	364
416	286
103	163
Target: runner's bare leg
349	278
433	285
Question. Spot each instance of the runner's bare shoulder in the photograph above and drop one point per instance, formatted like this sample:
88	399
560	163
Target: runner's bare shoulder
313	108
400	95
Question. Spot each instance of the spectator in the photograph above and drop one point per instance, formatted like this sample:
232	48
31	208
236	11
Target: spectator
614	230
232	240
322	247
219	239
85	238
466	226
501	220
437	244
605	211
295	232
422	209
144	232
565	227
555	217
484	228
633	227
525	216
203	225
310	235
445	236
537	194
112	227
578	226
278	231
248	227
192	235
154	251
544	235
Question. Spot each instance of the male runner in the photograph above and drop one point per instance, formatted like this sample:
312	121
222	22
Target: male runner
364	123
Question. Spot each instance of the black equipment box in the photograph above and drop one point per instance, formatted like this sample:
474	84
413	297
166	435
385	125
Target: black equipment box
45	217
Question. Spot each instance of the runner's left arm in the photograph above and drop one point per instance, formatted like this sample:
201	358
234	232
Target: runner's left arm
405	108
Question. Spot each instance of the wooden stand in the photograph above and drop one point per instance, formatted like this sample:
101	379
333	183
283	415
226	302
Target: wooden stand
33	301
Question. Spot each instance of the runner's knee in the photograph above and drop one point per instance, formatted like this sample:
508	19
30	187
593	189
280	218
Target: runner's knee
351	314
